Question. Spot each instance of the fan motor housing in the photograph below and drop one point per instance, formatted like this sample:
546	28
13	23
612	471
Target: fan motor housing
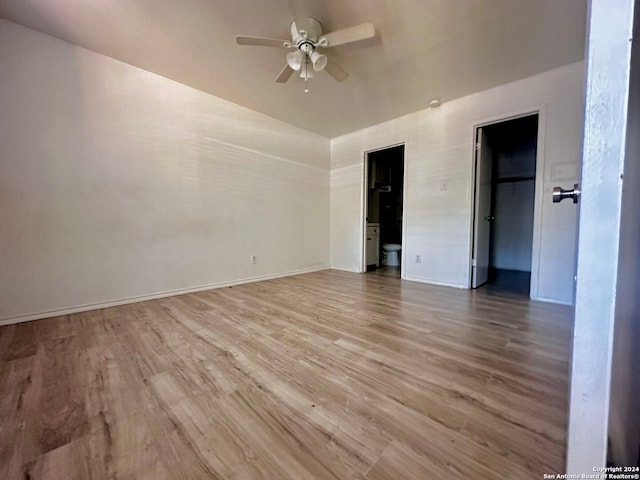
311	35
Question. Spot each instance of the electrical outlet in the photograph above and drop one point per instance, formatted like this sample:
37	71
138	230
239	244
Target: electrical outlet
418	258
253	259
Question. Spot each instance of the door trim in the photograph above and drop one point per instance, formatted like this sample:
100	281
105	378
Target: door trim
540	111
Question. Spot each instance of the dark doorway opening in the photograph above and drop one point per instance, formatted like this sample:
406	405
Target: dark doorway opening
384	210
503	237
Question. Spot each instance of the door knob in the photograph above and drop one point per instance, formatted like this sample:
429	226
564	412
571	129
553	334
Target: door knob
560	193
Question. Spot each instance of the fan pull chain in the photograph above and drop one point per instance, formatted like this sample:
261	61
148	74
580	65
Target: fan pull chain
306	76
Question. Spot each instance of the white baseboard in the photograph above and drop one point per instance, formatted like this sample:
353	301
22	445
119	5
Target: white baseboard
466	287
552	300
344	269
143	298
433	282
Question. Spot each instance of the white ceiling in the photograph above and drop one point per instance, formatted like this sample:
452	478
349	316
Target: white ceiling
422	49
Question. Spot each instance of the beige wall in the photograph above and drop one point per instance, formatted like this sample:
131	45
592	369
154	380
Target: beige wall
119	184
439	146
116	183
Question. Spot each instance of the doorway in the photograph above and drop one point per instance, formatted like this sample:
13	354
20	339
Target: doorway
505	187
384	199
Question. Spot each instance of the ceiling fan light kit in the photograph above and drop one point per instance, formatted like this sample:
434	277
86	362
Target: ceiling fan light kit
306	59
318	60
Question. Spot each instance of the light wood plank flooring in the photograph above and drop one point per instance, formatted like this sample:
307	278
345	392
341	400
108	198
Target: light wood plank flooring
329	375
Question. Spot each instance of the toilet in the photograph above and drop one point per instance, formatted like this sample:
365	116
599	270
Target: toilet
391	254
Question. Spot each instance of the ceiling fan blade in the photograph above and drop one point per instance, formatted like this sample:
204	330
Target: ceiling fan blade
336	71
348	35
261	42
300	15
284	74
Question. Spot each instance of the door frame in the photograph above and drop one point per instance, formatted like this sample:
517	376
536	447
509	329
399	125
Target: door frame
365	206
540	111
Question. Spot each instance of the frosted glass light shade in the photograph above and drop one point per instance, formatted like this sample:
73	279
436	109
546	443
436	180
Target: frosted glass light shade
307	69
318	60
295	60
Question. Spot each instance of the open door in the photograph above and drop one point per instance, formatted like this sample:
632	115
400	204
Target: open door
605	392
482	213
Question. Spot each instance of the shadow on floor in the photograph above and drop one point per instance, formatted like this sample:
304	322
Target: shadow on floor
513	281
386	270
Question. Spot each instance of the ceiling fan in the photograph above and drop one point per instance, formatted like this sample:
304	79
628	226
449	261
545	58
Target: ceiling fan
306	38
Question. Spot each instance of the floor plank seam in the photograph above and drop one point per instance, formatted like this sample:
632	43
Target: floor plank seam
373	464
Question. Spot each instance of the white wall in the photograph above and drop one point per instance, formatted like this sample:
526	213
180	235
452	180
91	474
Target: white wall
439	146
116	183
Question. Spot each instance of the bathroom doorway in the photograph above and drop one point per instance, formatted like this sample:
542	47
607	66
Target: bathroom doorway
384	199
505	189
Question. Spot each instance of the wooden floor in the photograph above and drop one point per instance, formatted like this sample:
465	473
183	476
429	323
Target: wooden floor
386	270
329	375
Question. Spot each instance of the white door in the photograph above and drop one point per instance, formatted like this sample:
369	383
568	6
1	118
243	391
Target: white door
482	214
604	393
